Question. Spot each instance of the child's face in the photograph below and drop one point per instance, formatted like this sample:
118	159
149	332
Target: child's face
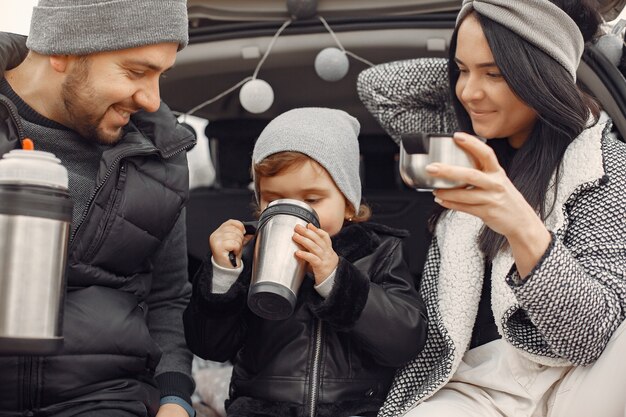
310	183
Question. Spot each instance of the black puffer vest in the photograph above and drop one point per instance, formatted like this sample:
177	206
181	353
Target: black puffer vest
108	353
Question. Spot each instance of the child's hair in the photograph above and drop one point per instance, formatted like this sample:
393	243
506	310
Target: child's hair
283	161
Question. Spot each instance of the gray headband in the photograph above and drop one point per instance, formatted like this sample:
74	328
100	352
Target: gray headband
539	22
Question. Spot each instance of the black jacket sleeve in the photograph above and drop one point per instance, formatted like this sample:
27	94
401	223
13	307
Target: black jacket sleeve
168	297
215	325
375	299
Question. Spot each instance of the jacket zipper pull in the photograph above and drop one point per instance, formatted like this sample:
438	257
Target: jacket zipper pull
122	177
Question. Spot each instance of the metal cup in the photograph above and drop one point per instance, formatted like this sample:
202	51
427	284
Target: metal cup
417	150
276	272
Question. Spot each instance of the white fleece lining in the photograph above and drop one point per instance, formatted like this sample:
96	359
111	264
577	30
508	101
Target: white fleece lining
460	277
462	266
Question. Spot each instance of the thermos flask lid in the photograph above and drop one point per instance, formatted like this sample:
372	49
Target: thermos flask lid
33	168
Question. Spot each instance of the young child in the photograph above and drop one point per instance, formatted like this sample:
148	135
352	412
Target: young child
358	317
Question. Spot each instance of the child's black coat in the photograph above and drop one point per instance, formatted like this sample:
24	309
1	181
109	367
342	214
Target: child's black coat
372	322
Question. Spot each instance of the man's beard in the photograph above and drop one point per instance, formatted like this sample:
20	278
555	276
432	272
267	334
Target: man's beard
78	97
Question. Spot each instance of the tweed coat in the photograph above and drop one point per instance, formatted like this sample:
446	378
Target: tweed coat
564	313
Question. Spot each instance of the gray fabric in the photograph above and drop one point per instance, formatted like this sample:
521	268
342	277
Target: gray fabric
409	96
539	22
169	295
328	136
79	156
82	27
224	278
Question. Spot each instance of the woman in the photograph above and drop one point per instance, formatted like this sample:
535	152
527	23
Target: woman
525	280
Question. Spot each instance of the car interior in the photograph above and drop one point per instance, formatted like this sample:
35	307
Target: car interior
216	60
227	43
224	51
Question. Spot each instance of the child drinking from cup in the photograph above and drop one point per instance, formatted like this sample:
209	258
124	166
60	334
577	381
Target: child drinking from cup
357	318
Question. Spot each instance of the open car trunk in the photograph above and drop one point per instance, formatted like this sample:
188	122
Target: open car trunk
259	10
228	39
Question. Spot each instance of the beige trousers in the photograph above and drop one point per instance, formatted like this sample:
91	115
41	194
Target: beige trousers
495	380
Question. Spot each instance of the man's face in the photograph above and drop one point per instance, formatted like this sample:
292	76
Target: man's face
102	90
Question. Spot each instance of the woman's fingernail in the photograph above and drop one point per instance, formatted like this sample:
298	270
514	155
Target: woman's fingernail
438	200
459	138
432	168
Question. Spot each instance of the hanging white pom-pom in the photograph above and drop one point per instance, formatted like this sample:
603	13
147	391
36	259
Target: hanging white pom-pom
256	96
331	64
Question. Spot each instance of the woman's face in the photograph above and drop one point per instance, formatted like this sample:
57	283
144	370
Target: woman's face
495	110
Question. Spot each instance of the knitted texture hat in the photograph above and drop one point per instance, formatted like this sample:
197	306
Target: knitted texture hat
83	27
539	22
328	136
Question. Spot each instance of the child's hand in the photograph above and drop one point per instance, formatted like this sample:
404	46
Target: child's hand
229	237
318	251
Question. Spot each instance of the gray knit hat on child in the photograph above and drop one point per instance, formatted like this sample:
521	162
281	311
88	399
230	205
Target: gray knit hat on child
328	136
83	27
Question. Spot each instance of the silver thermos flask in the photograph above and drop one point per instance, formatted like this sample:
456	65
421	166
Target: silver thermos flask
276	271
35	218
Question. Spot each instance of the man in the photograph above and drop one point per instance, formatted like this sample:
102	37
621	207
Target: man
87	90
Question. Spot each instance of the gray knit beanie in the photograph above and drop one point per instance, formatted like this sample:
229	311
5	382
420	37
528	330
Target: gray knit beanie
328	136
539	22
83	27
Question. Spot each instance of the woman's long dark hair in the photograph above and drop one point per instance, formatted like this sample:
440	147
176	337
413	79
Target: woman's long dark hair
563	113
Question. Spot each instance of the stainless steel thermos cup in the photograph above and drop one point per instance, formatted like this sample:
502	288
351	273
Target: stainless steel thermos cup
276	272
420	149
35	217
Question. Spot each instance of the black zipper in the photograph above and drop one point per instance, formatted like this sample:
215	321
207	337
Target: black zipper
94	194
14	115
121	180
28	363
315	369
28	386
108	174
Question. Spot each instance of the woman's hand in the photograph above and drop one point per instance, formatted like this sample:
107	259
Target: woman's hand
318	251
494	199
229	237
